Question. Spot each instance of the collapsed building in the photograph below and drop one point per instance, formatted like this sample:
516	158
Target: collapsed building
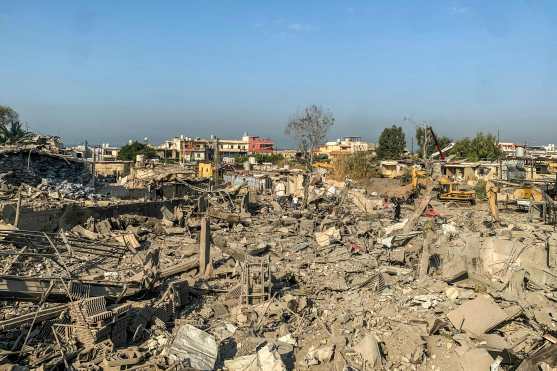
271	269
30	166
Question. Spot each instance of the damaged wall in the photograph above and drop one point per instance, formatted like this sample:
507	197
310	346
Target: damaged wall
30	168
70	215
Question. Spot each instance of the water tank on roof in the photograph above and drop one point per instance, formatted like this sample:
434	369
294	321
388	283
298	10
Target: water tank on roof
519	152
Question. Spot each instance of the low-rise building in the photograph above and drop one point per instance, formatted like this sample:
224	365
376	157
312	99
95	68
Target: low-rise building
392	168
345	146
102	152
113	168
508	148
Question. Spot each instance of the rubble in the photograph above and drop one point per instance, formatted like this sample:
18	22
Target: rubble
229	281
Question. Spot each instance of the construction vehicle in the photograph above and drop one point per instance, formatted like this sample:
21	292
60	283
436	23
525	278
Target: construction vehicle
450	191
323	165
437	146
526	196
416	175
491	190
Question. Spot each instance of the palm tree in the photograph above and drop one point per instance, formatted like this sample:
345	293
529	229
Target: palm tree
13	133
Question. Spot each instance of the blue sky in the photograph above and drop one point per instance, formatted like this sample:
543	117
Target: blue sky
108	71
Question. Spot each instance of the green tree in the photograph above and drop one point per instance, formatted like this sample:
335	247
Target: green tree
420	138
392	143
7	116
309	128
481	147
12	133
130	151
273	158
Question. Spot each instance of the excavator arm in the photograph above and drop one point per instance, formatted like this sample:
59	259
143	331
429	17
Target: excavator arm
491	191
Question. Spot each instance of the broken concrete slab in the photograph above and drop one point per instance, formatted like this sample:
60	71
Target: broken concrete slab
476	359
195	345
478	316
369	349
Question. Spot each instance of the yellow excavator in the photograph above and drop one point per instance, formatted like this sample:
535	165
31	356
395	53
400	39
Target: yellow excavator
491	190
525	195
416	175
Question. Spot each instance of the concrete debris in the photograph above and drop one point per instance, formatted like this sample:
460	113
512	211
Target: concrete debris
319	355
476	359
480	315
266	271
245	363
195	345
369	349
268	358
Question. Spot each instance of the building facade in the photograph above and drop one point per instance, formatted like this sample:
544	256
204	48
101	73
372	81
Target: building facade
258	144
189	149
345	146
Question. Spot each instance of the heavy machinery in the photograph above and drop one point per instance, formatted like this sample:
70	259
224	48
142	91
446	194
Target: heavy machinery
450	191
323	165
525	196
416	175
437	146
491	191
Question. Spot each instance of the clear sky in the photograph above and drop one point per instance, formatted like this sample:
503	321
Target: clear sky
108	71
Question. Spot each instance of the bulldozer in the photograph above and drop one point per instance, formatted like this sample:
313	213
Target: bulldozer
450	191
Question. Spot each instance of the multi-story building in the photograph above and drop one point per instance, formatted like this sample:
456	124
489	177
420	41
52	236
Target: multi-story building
103	152
197	149
108	152
233	148
258	144
508	149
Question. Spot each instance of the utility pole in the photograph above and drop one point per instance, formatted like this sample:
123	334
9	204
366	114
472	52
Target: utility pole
216	162
93	167
500	155
426	141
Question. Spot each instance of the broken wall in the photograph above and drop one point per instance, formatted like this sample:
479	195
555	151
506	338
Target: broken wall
30	168
70	215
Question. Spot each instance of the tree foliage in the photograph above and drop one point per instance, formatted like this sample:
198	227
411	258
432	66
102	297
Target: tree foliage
392	143
260	158
13	133
309	128
130	151
358	165
420	138
273	158
481	147
11	129
7	116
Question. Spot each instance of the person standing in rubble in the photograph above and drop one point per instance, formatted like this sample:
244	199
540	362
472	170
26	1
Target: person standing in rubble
396	204
158	191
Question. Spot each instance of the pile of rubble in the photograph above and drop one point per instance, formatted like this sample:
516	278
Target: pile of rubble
238	281
66	190
49	191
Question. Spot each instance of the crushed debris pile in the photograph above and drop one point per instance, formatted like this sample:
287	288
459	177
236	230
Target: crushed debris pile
239	280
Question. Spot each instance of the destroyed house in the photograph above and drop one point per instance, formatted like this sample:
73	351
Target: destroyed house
30	166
